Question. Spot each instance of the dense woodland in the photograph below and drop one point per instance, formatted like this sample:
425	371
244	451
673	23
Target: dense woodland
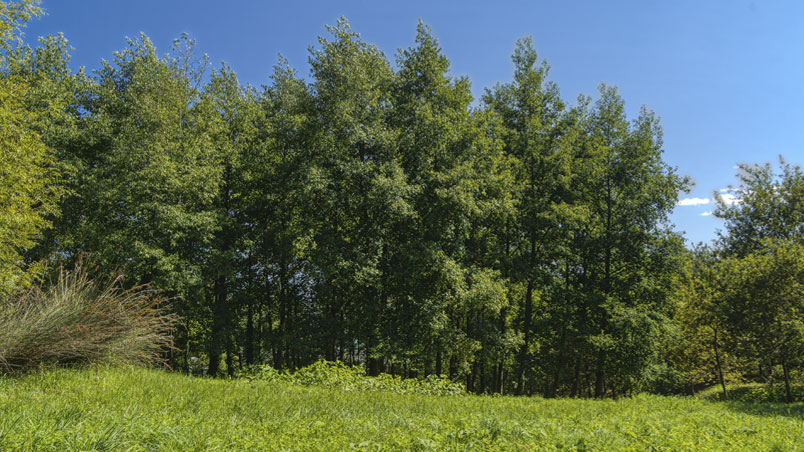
374	212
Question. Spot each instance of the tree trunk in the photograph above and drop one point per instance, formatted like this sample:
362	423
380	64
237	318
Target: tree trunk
220	321
523	351
600	375
230	354
719	364
219	326
500	378
787	391
576	380
249	335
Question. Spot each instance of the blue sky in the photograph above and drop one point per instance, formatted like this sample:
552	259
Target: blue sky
725	76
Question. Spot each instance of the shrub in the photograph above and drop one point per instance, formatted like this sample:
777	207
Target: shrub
83	321
665	380
339	375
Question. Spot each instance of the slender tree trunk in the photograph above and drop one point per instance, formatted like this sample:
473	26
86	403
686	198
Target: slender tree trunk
249	346
576	381
500	378
560	360
220	333
600	372
453	367
787	390
372	363
719	364
523	351
482	371
470	385
600	375
187	354
230	354
219	326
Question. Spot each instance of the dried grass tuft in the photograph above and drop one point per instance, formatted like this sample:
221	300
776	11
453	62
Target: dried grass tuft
81	320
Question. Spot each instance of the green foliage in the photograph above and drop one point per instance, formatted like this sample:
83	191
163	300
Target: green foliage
80	320
142	170
663	379
136	409
769	207
13	17
371	215
28	177
340	376
741	310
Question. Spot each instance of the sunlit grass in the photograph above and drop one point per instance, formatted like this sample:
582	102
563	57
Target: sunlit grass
137	409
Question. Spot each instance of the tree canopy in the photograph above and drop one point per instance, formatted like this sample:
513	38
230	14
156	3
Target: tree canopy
376	213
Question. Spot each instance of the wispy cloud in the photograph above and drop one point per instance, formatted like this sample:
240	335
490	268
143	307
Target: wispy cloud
693	201
705	214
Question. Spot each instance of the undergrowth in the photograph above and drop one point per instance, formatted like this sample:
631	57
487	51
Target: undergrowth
135	409
338	375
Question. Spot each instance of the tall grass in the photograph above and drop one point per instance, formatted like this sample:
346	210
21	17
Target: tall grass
81	320
129	409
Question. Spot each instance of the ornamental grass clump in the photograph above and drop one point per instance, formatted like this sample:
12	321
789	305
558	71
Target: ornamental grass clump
81	320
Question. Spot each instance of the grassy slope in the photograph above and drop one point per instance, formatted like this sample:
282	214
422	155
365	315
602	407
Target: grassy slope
135	409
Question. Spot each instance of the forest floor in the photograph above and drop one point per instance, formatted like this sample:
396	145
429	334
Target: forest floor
138	409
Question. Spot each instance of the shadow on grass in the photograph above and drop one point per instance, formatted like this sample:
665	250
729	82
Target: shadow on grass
761	400
793	410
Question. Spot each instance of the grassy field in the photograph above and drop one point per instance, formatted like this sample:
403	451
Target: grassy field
136	409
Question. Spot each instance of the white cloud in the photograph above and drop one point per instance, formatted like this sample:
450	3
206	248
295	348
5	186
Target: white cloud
706	214
693	201
730	199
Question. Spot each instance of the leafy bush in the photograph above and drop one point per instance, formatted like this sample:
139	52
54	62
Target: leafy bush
339	375
665	380
80	320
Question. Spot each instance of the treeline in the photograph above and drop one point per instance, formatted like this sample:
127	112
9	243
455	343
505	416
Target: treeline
741	307
373	213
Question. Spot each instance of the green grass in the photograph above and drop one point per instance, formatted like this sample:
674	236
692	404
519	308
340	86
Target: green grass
136	409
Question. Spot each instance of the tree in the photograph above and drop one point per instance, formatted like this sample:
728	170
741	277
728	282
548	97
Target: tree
355	190
447	303
276	210
28	176
706	353
766	205
629	254
142	174
766	304
234	116
536	135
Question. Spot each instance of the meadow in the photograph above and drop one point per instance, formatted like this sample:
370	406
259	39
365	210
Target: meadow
135	409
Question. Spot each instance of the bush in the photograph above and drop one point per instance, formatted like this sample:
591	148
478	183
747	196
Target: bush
338	375
665	380
83	321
